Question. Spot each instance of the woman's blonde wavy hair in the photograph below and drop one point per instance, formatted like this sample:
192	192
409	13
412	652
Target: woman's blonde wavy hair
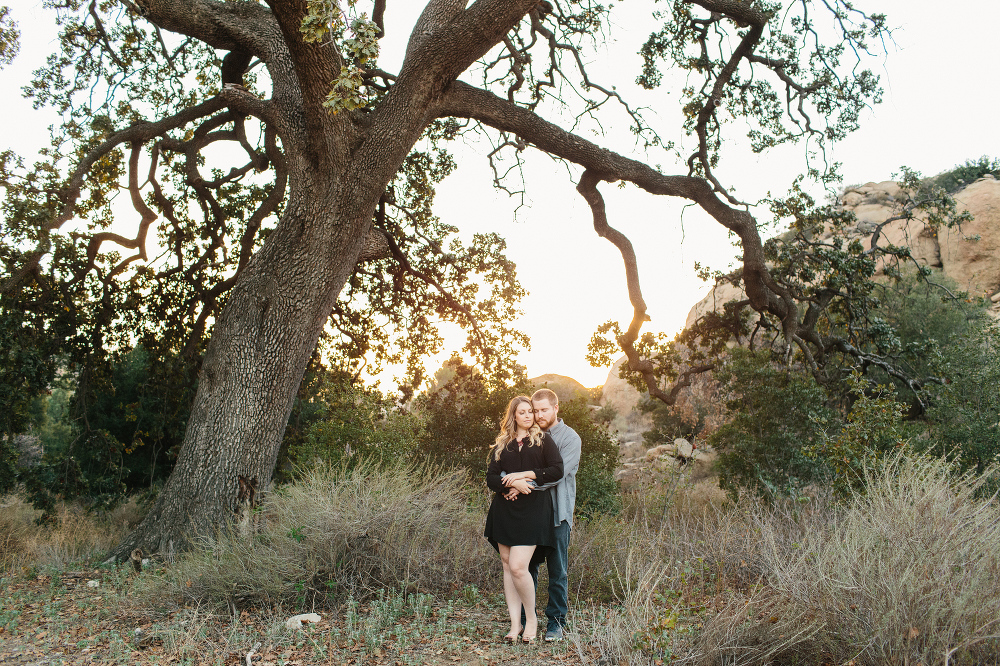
508	427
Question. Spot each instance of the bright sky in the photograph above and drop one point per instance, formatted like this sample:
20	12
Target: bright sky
939	110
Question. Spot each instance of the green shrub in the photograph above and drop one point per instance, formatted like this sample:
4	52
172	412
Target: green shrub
597	491
965	410
341	419
874	428
960	176
776	415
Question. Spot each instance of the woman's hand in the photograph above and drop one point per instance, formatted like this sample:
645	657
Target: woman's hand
510	478
521	486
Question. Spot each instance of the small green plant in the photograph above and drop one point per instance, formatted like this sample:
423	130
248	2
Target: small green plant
657	636
471	594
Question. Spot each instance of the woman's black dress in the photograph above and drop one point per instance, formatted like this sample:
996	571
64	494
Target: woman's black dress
526	520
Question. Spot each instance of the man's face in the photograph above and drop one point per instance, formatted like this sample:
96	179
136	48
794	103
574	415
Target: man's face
546	414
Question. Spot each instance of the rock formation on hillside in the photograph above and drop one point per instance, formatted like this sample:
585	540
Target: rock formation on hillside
628	423
969	256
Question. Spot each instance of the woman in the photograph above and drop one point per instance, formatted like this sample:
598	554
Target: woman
520	517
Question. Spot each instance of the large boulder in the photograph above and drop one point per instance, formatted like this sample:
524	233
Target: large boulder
973	264
969	256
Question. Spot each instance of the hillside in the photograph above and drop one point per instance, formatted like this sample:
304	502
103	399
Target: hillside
565	387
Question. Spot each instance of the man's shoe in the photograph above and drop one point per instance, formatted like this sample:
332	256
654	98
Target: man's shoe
553	635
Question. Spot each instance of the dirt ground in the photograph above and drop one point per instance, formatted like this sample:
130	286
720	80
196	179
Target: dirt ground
67	618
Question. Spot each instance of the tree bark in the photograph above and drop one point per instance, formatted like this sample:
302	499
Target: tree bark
255	361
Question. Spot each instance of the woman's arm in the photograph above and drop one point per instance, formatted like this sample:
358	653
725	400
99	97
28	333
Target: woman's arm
493	479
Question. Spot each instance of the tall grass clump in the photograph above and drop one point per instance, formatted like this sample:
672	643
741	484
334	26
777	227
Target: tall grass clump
71	535
907	572
343	531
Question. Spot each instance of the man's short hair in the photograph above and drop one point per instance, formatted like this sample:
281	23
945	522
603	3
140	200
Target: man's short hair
546	394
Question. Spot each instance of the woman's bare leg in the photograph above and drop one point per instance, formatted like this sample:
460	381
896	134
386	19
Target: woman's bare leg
519	589
510	593
517	563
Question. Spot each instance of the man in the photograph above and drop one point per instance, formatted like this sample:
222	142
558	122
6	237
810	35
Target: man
546	407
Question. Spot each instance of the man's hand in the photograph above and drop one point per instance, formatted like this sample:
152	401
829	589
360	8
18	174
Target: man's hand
511	494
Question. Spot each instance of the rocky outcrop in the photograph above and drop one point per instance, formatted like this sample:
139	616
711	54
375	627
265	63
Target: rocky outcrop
628	423
665	459
969	256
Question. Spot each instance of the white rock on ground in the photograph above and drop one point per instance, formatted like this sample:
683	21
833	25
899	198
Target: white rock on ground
296	621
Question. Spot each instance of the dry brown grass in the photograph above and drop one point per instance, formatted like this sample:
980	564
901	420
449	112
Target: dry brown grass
73	536
340	532
907	573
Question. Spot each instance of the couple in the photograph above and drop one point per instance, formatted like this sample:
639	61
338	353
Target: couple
532	470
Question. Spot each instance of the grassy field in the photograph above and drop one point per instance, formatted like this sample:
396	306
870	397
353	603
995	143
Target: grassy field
393	562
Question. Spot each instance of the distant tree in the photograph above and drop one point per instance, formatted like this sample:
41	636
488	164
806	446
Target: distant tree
347	421
9	37
28	365
461	413
118	433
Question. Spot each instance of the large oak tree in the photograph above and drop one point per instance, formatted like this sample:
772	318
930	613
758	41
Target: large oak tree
341	231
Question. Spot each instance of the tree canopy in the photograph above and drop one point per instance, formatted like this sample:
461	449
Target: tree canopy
279	191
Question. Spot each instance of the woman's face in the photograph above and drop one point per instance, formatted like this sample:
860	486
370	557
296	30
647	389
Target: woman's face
524	416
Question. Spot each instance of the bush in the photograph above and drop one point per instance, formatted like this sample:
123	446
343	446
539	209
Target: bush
597	491
339	418
72	536
960	176
111	430
908	573
776	415
874	428
341	531
966	409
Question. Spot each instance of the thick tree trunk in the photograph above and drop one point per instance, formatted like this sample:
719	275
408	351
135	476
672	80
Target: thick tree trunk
339	166
255	362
